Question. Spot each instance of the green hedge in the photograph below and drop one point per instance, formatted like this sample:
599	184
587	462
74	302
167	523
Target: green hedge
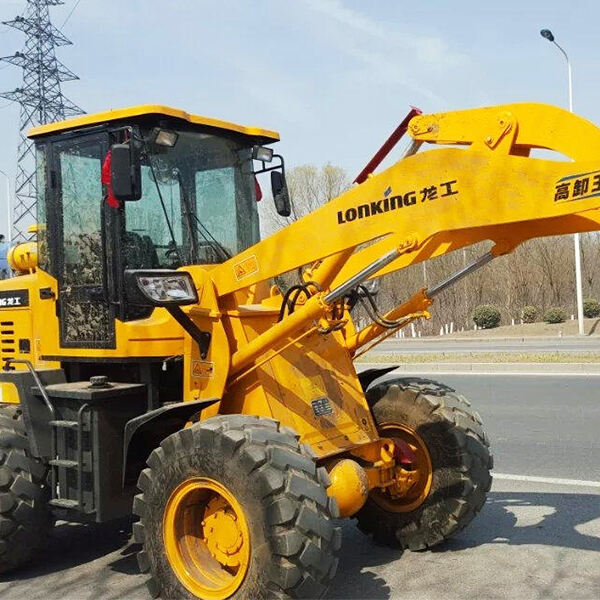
529	314
591	308
555	315
486	316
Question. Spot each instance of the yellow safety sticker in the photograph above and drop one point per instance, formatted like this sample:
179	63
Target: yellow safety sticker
202	369
246	267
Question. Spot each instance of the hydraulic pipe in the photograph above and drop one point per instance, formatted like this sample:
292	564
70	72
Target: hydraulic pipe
417	304
362	275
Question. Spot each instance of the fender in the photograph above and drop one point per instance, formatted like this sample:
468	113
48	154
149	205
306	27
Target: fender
146	432
368	376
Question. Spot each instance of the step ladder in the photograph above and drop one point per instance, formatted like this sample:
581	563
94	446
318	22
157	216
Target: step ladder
61	464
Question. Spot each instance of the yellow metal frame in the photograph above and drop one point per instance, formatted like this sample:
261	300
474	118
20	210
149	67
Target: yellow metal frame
299	370
150	109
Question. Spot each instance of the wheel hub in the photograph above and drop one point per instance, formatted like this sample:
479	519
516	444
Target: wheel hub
413	472
206	538
222	534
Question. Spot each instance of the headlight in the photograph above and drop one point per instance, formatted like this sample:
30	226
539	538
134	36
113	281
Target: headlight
163	288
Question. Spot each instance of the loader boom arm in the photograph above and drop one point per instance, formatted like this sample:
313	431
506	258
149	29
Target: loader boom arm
445	198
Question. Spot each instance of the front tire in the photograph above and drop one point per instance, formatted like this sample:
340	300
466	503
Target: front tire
235	506
453	464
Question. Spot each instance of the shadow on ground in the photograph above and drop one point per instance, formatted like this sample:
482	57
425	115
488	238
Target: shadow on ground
506	515
73	545
509	518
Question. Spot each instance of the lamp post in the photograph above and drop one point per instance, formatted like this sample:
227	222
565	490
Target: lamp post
8	207
548	35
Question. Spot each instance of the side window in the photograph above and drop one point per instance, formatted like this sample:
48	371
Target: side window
80	167
148	239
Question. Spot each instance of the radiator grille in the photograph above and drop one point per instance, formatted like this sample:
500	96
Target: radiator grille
8	346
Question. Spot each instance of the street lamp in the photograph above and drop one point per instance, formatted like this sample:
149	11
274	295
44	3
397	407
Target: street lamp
548	35
8	207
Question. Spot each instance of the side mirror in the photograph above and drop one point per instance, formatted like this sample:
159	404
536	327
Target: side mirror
281	195
125	172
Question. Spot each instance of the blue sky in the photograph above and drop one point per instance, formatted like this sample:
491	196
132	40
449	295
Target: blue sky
333	76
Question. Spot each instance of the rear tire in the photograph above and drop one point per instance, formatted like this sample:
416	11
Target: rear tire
25	518
460	463
271	480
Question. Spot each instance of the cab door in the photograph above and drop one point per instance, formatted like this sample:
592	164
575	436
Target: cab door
87	317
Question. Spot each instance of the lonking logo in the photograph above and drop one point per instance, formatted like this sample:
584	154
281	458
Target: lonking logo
378	207
14	299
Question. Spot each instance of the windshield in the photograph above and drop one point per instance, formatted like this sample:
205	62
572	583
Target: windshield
198	204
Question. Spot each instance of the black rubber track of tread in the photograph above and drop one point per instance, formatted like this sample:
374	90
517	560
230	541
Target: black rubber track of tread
285	494
25	518
460	454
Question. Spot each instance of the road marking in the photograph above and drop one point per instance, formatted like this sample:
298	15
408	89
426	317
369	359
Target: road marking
487	373
496	373
551	480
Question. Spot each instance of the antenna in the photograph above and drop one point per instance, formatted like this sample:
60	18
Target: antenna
40	98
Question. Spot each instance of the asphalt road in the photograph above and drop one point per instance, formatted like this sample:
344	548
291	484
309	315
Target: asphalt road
458	346
532	540
542	425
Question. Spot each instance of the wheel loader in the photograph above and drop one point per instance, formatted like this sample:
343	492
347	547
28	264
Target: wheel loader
154	364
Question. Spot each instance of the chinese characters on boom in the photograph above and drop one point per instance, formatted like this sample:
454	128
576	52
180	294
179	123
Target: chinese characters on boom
377	207
577	187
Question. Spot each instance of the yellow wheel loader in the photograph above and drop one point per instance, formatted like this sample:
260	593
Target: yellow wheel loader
152	365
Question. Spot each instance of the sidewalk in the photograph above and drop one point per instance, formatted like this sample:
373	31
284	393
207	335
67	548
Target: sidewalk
517	338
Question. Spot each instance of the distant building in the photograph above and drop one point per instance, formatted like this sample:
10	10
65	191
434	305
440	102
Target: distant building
4	270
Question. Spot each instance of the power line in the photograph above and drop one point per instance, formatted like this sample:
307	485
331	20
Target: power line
39	96
70	14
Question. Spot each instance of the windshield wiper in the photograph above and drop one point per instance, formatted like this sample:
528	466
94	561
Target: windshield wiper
162	203
206	234
188	215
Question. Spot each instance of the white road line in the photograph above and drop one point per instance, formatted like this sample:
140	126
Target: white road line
496	373
486	373
551	480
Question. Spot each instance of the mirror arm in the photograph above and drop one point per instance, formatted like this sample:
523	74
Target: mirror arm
265	169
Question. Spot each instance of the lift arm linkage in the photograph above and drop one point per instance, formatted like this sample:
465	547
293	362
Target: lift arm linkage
446	198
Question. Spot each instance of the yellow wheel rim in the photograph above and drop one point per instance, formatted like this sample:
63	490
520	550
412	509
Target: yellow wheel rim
420	487
206	538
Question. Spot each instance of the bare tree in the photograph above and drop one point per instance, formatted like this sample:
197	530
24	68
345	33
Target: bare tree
310	187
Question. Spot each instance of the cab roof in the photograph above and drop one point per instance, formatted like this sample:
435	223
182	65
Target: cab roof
262	135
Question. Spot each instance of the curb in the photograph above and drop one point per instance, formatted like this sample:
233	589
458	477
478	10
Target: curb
526	368
490	340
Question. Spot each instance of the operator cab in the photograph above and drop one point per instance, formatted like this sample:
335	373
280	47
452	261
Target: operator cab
143	188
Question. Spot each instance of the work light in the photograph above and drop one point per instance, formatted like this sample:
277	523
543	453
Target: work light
165	287
263	154
163	137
